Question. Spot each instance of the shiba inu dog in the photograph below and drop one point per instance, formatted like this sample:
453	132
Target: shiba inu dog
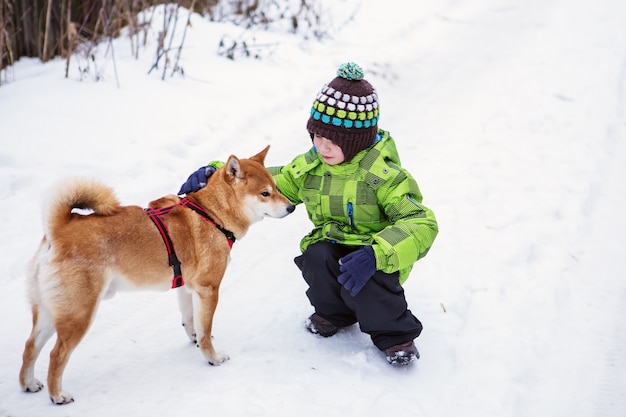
93	246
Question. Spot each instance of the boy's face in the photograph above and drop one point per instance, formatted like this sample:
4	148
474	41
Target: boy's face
331	153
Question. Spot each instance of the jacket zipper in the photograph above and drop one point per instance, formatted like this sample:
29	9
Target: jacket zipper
351	214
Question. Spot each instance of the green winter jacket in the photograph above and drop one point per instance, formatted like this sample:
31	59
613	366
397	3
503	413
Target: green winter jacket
370	200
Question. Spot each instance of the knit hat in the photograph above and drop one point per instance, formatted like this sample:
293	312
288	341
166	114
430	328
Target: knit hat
346	111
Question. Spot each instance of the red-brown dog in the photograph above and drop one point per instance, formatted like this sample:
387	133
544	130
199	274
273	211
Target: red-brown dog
84	259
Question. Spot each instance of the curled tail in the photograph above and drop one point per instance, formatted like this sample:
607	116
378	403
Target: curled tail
78	193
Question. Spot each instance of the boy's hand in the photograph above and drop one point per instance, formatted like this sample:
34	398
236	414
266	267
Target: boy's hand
197	180
356	269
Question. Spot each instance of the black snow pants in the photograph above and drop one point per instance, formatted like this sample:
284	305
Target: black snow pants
380	308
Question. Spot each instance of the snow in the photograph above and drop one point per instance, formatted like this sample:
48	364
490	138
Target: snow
511	115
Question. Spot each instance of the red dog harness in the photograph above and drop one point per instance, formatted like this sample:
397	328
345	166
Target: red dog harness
155	216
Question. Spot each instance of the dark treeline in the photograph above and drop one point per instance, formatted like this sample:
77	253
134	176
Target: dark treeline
50	28
46	29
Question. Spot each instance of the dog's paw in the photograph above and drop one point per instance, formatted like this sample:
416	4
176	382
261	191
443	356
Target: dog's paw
63	398
218	359
33	386
191	334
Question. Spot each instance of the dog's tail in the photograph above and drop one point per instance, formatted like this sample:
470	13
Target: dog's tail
82	194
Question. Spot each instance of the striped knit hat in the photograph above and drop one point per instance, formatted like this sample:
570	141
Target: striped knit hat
346	111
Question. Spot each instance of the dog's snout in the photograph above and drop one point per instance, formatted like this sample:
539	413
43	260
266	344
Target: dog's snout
291	208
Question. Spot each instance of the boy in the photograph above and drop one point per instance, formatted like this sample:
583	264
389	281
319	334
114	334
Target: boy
369	224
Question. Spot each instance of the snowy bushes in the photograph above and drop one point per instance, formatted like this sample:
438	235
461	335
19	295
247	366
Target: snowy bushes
59	28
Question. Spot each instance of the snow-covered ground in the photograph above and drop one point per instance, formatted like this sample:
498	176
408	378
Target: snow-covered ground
511	115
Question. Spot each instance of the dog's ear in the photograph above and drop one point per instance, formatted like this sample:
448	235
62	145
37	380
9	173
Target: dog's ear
260	157
233	167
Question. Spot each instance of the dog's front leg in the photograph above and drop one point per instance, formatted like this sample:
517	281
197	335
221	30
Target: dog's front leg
185	305
205	302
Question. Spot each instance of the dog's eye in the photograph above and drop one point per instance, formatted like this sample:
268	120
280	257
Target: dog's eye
265	193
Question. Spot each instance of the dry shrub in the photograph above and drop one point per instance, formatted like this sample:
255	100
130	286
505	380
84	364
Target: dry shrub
56	28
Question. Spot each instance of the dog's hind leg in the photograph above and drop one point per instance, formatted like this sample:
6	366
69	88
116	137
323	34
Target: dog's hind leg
71	322
43	326
185	305
42	330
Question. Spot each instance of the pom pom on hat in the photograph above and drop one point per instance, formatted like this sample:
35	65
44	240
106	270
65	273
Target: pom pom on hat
350	71
346	111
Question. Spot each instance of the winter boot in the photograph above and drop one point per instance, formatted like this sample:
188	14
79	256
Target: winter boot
317	324
402	354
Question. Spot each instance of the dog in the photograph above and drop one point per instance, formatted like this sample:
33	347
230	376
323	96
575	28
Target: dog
93	246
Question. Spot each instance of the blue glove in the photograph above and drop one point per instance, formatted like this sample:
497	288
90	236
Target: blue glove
356	269
197	180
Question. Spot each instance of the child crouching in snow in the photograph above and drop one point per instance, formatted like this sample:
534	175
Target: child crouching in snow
369	224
